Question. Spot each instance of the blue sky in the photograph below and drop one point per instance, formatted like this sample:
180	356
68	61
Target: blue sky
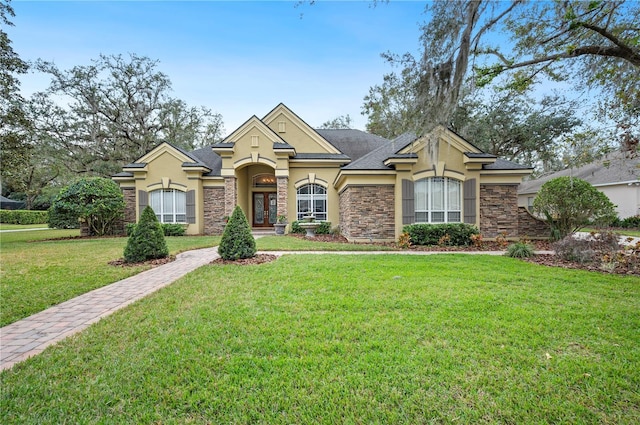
238	58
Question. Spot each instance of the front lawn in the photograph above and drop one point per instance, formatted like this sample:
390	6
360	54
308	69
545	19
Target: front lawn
351	339
38	272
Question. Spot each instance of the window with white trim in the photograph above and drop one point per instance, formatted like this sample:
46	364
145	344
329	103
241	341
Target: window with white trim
312	199
438	200
170	205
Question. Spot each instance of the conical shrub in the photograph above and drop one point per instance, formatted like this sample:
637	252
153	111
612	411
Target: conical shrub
237	241
147	239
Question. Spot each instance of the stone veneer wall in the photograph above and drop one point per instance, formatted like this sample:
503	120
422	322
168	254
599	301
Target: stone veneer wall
367	212
531	227
129	205
231	196
498	210
129	195
214	210
283	183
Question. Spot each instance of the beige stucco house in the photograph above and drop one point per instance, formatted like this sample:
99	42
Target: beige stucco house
367	186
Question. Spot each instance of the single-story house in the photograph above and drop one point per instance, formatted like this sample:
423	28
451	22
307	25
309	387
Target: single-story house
617	175
367	186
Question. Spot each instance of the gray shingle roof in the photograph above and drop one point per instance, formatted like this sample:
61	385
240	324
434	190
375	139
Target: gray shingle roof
503	164
208	158
353	143
615	168
375	160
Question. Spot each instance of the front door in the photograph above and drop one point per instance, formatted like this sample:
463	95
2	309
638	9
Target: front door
265	209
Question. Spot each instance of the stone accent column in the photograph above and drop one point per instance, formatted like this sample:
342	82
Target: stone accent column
283	190
129	205
214	210
230	195
498	210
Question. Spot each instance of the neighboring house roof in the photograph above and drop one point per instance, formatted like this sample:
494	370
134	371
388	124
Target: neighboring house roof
613	169
10	204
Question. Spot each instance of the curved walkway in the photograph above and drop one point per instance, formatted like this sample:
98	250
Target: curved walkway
30	336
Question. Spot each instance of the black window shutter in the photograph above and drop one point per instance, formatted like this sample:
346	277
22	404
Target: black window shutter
470	201
191	206
143	201
408	205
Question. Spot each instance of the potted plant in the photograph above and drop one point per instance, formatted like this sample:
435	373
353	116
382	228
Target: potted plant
280	224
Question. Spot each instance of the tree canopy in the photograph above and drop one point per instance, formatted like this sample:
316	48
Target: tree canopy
119	108
591	45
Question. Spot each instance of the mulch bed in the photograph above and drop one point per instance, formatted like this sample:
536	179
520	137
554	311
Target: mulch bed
258	259
153	263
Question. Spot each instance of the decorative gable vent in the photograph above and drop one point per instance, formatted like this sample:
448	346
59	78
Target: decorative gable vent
255	141
282	127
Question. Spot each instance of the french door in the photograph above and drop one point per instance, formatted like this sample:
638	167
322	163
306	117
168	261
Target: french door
265	209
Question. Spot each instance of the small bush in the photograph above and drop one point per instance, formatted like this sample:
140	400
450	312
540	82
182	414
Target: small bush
630	222
147	240
237	241
23	217
404	241
519	250
323	229
450	234
173	229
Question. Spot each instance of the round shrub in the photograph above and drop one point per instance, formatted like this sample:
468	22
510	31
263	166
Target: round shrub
237	241
568	204
96	201
147	240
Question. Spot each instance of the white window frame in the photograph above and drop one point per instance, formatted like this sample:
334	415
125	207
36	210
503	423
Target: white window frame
312	197
176	212
426	208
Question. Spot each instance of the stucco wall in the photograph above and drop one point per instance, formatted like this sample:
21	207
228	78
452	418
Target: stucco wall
367	213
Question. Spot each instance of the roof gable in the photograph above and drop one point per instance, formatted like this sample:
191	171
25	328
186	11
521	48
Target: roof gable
252	125
161	149
300	135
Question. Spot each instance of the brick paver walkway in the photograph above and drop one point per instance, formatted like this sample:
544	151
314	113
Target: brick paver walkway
32	335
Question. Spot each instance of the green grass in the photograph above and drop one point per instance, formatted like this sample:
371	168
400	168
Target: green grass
292	243
350	339
625	232
37	273
5	226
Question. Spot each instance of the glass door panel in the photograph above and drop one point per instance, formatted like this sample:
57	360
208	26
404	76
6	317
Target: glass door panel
258	208
273	207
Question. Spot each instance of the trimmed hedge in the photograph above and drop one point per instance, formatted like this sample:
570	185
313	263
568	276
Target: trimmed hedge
450	234
23	217
169	229
323	229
